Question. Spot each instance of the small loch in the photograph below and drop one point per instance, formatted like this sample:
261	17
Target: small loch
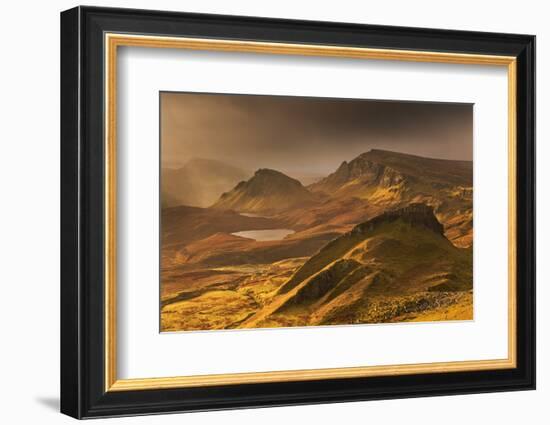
265	235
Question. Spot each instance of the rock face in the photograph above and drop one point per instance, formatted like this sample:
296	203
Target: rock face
416	214
267	192
323	282
362	170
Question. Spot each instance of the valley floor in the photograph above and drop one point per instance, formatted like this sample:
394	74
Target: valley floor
243	297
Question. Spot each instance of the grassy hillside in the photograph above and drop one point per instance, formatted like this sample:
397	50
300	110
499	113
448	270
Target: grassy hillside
396	264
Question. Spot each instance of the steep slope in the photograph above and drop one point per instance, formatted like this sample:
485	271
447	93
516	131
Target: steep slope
198	183
394	264
267	192
385	179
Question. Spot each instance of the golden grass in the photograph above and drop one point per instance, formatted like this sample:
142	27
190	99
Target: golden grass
401	273
212	310
463	309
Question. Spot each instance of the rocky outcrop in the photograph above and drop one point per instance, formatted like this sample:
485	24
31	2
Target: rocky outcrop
362	170
415	214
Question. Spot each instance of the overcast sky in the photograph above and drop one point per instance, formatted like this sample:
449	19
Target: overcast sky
301	135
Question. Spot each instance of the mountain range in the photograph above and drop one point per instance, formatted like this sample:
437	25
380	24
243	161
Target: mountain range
360	189
386	237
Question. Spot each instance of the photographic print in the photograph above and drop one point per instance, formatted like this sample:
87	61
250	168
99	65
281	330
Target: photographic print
261	183
280	211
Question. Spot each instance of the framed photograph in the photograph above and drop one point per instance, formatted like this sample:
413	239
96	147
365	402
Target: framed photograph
261	212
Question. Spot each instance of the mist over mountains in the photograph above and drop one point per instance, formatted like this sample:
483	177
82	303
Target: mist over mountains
199	182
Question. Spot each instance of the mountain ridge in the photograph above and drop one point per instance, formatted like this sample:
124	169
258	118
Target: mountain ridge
414	214
356	271
385	180
390	168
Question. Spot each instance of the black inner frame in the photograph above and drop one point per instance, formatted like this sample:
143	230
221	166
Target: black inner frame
82	217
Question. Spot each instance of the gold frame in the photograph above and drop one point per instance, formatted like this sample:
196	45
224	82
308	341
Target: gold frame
113	41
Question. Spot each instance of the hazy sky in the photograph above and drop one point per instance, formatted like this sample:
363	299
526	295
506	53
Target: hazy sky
301	135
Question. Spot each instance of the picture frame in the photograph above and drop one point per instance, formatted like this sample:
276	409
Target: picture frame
91	38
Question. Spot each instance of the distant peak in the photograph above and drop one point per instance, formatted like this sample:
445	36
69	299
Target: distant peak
267	172
269	175
376	151
267	191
